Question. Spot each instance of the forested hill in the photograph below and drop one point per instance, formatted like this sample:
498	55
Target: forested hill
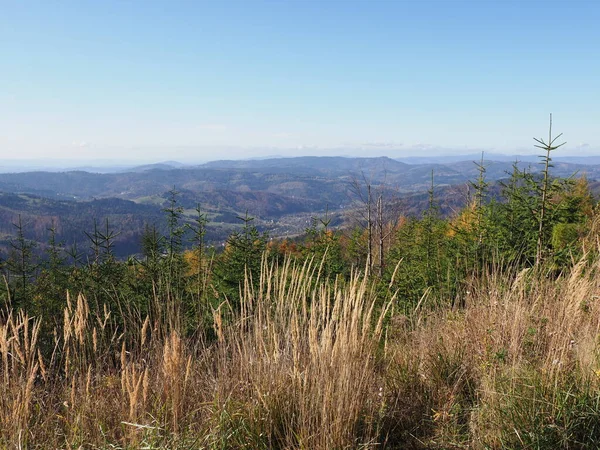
282	194
301	177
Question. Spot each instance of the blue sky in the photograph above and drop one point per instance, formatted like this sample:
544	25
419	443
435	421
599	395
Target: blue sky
204	80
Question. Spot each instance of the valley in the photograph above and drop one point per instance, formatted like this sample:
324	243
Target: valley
282	194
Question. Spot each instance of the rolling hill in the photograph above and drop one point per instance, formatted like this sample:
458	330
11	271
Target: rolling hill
282	193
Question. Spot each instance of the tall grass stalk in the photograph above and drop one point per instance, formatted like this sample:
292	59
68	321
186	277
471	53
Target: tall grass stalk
303	362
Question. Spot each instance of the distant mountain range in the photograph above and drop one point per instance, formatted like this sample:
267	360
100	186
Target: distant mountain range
282	193
497	157
17	166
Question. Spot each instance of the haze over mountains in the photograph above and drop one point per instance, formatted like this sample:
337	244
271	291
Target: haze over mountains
296	177
111	166
281	193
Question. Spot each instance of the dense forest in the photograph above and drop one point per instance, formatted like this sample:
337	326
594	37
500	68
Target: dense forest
471	329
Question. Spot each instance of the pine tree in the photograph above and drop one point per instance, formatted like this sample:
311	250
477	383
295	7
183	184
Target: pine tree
241	260
545	189
21	264
198	235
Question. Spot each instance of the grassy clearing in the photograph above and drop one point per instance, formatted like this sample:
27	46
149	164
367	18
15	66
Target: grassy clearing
311	364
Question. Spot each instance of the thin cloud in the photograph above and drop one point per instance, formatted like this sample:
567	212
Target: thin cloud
422	146
281	135
383	145
213	127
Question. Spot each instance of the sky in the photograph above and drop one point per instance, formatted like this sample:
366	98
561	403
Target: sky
204	80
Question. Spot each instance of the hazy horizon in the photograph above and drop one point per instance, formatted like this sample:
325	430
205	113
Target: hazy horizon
445	155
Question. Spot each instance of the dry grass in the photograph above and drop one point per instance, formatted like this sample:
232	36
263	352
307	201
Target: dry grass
300	362
316	365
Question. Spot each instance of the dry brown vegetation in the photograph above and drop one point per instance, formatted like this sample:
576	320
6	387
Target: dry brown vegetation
306	363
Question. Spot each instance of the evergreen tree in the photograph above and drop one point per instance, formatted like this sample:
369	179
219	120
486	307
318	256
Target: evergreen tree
174	243
241	260
323	246
200	268
545	191
21	265
534	203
